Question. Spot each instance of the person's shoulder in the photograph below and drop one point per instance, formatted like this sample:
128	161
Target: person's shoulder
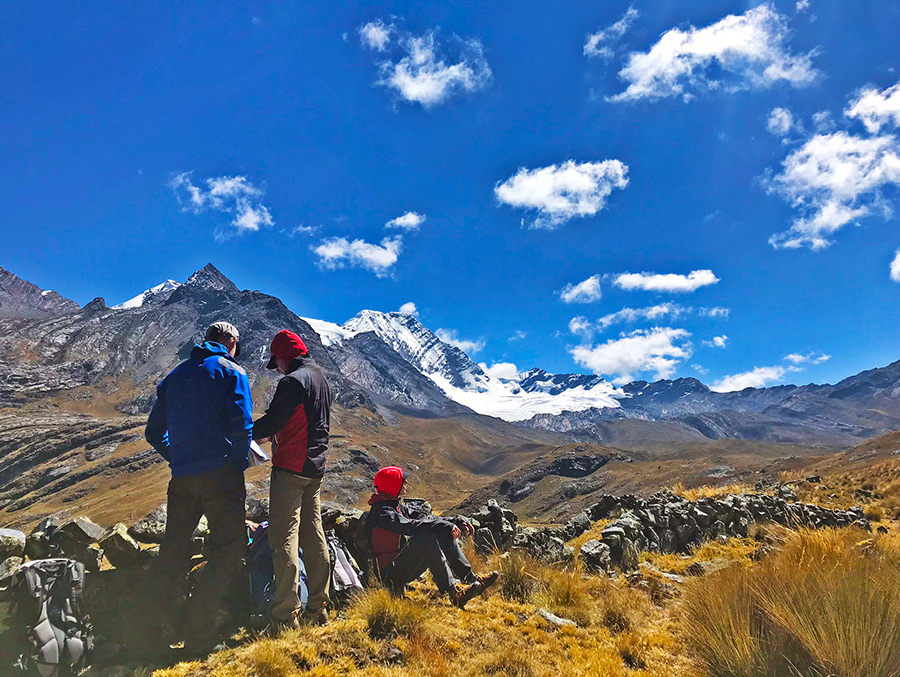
223	364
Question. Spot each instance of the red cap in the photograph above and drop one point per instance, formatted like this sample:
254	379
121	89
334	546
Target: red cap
389	480
286	345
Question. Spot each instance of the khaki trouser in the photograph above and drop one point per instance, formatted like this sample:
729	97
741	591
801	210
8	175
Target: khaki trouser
295	518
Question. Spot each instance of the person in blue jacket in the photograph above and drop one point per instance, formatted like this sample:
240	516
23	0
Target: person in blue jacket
201	424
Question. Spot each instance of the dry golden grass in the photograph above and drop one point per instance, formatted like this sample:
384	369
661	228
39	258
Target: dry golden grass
710	491
827	603
734	550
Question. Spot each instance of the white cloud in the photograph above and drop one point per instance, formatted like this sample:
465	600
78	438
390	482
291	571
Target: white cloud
876	109
670	282
834	179
376	35
409	221
304	230
586	291
601	43
746	51
581	326
715	311
700	369
895	267
658	350
802	5
451	337
518	335
756	378
780	122
409	308
559	193
339	252
717	342
502	370
231	195
418	71
809	358
638	314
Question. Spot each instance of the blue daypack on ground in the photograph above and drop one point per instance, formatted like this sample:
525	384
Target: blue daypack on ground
262	577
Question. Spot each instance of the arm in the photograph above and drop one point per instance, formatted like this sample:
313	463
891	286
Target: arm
240	415
156	431
287	398
397	522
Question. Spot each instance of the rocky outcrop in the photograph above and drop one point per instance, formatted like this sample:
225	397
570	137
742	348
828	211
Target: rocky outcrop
22	299
661	523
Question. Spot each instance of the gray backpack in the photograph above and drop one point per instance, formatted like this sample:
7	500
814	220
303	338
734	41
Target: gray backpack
56	634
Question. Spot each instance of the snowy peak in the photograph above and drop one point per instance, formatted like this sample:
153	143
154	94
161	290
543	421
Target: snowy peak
538	380
157	294
419	346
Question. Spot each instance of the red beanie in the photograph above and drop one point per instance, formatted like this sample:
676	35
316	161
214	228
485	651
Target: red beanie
286	345
389	480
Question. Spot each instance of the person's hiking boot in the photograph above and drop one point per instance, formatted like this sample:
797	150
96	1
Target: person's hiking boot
487	580
463	592
277	626
311	617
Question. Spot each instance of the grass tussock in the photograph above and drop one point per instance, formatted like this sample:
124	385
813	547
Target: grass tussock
827	603
389	616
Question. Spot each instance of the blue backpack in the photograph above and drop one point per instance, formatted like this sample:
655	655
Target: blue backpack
262	577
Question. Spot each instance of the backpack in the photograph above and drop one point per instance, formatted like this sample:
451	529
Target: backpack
262	577
57	635
346	576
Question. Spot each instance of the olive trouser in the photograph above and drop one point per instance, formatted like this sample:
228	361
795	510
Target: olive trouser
219	494
295	519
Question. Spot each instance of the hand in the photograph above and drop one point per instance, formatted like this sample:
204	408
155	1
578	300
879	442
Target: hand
468	529
455	531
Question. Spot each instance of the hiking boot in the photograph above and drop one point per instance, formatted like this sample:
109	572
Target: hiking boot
310	617
487	580
463	592
277	627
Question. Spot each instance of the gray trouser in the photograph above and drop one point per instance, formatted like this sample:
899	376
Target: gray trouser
295	518
436	551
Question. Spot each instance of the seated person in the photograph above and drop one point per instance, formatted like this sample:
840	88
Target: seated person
430	544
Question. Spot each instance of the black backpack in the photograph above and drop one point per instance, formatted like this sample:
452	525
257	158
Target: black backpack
56	635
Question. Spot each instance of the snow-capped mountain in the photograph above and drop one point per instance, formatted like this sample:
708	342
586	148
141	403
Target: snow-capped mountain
462	380
160	292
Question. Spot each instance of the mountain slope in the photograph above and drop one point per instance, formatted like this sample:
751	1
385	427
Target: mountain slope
19	298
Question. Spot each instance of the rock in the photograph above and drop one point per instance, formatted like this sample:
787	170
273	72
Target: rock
152	527
882	530
595	556
12	543
257	509
79	531
554	619
91	556
578	525
630	555
418	507
122	551
8	569
37	545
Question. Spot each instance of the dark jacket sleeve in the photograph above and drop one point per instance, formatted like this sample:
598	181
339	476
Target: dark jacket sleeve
240	415
156	432
397	522
288	396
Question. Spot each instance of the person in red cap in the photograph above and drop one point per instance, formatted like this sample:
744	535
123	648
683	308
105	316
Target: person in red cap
430	544
297	420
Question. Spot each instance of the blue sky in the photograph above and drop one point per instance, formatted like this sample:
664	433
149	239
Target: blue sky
723	155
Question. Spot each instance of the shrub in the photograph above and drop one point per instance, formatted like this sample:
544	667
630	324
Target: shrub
874	512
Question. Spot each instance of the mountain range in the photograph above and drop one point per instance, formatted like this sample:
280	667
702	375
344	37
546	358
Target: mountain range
391	362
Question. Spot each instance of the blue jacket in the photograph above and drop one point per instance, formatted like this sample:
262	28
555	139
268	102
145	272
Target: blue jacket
202	418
